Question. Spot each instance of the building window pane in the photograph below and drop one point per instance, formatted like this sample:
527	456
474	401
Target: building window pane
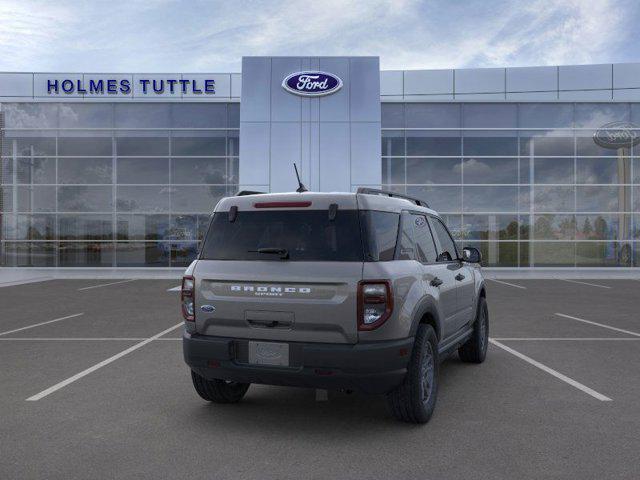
199	115
142	227
36	227
200	170
142	115
85	227
442	199
213	144
603	254
233	115
85	170
434	170
91	146
491	144
603	170
545	115
488	115
433	143
490	170
143	199
598	114
37	254
35	170
30	115
85	199
546	144
29	146
139	254
553	170
554	227
497	254
392	143
142	170
392	115
554	199
490	199
490	227
196	199
432	115
81	254
553	254
36	199
142	146
603	199
393	170
602	226
90	115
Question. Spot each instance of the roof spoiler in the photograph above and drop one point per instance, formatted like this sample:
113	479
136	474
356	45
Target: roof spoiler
374	191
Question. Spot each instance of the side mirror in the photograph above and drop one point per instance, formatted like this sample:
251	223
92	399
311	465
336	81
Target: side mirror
471	255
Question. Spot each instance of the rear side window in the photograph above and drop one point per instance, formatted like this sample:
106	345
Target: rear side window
380	232
424	241
447	248
306	235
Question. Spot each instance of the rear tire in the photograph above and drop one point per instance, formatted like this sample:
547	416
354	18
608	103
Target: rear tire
474	350
219	391
415	399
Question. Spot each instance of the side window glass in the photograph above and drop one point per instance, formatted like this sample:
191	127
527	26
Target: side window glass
407	249
426	249
447	248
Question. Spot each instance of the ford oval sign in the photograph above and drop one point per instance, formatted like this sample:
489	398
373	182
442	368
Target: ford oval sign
617	135
312	83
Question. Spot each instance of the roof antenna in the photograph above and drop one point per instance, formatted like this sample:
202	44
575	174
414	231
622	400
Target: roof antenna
301	188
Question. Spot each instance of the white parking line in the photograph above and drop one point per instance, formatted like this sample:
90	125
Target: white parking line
551	371
629	332
507	283
41	323
559	339
97	366
175	289
106	284
584	283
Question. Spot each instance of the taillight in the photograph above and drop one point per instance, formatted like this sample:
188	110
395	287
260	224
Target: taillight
375	303
187	298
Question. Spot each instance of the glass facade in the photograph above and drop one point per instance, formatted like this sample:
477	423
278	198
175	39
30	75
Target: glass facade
524	182
115	184
112	184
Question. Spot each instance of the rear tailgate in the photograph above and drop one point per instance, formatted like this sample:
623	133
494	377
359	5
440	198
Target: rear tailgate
278	300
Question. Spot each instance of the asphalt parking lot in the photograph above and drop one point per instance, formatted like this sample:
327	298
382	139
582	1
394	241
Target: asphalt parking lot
93	385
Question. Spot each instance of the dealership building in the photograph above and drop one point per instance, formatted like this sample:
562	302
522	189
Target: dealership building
535	166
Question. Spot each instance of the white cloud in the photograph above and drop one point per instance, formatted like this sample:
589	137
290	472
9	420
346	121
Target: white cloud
174	36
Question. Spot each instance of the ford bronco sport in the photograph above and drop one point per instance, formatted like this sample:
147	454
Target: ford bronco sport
361	291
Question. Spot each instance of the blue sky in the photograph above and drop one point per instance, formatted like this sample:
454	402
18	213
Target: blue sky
212	36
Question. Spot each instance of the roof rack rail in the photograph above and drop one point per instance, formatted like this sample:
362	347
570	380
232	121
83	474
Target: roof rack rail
242	193
375	191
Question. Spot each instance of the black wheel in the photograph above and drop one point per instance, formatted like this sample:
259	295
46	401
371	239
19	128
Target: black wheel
219	391
474	350
415	400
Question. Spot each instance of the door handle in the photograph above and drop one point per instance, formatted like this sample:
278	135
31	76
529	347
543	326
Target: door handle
436	282
459	277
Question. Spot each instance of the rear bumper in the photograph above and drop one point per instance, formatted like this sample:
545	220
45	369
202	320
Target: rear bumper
375	367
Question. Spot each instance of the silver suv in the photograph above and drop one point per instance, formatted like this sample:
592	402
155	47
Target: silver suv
361	291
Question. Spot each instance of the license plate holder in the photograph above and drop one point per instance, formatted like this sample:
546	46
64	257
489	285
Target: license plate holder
269	353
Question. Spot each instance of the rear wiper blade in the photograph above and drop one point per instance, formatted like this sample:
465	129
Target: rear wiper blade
283	252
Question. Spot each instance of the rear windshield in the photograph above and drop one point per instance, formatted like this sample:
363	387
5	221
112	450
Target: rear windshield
307	235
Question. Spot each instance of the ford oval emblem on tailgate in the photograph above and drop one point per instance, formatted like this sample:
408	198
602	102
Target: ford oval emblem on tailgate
207	308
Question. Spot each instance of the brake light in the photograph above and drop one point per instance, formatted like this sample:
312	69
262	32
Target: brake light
281	204
375	303
187	298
